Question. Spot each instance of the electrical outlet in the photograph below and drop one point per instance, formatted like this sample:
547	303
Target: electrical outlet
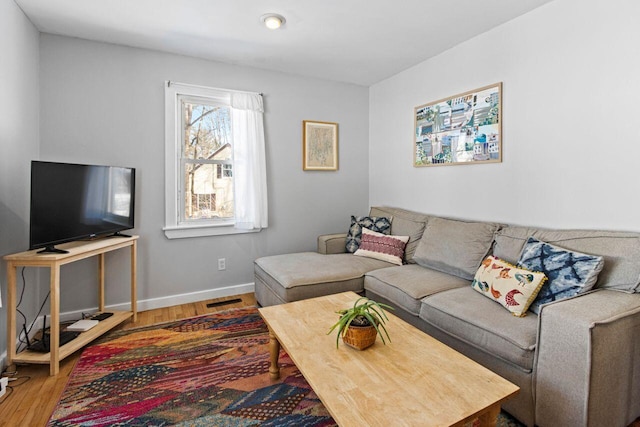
3	385
222	264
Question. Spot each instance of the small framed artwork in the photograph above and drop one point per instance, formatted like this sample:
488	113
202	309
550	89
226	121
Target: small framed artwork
319	146
462	129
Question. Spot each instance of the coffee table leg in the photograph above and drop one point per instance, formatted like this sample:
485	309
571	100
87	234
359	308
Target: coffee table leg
490	418
274	351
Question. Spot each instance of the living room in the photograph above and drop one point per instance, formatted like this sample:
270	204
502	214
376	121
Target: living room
569	78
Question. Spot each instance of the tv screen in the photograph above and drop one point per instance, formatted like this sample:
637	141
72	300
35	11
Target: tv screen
73	202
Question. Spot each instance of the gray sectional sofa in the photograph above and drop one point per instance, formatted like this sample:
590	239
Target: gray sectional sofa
577	362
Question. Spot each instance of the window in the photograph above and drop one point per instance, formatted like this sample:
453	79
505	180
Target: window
213	139
206	147
224	171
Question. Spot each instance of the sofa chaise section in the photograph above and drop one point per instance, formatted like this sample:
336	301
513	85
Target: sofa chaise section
292	277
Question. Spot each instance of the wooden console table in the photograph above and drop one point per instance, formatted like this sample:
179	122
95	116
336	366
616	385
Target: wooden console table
77	251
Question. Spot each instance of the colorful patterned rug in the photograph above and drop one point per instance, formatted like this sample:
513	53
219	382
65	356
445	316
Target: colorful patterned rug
211	370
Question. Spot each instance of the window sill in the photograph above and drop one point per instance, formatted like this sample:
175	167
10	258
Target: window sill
202	230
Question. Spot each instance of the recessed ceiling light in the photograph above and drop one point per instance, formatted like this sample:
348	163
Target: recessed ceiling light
273	21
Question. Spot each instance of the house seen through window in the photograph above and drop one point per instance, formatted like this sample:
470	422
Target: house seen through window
206	160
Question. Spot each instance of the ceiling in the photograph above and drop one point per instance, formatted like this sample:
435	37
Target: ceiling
354	41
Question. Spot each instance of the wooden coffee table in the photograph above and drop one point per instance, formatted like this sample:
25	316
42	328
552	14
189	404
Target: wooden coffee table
413	381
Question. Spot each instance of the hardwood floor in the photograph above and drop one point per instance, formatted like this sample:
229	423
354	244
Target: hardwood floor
35	394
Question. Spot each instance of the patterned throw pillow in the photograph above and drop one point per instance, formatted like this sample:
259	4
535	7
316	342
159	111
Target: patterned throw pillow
514	288
382	247
374	223
570	273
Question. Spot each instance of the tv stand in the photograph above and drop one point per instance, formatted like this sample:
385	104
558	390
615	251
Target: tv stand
118	234
52	250
76	251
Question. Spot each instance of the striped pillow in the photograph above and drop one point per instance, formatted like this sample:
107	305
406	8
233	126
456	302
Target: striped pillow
381	246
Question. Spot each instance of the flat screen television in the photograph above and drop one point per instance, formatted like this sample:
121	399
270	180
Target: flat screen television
74	202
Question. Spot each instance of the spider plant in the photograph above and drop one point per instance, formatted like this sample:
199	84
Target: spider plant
365	312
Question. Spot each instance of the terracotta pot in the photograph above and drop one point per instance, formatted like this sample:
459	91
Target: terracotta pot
360	337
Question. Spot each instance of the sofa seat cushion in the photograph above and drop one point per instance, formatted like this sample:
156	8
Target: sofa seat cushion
303	275
473	319
406	285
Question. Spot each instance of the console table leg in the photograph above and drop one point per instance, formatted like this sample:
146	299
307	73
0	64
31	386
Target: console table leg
101	283
11	312
134	273
54	327
274	352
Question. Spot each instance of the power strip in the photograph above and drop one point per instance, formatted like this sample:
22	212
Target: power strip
3	385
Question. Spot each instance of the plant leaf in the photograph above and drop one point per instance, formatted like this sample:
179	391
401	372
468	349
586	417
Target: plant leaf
385	332
370	318
371	310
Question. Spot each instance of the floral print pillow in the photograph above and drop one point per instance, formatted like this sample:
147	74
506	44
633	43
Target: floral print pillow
515	288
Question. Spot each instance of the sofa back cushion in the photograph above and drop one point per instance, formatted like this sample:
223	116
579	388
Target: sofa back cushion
621	251
455	247
404	223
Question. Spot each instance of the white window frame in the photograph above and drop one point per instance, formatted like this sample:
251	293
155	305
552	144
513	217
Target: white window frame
175	228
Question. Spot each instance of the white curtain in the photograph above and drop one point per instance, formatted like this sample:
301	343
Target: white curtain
249	164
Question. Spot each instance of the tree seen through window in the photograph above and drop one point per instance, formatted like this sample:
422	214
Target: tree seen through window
207	157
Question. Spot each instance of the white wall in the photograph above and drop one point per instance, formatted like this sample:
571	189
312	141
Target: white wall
571	140
18	142
104	104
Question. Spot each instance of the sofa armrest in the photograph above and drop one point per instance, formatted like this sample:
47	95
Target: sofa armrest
587	361
332	243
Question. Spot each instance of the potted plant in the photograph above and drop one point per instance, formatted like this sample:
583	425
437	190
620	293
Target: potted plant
360	324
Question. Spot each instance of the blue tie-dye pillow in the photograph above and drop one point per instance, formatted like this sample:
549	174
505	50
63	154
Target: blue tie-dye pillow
569	273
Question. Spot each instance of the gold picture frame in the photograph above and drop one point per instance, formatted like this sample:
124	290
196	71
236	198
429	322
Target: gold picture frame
319	146
461	129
